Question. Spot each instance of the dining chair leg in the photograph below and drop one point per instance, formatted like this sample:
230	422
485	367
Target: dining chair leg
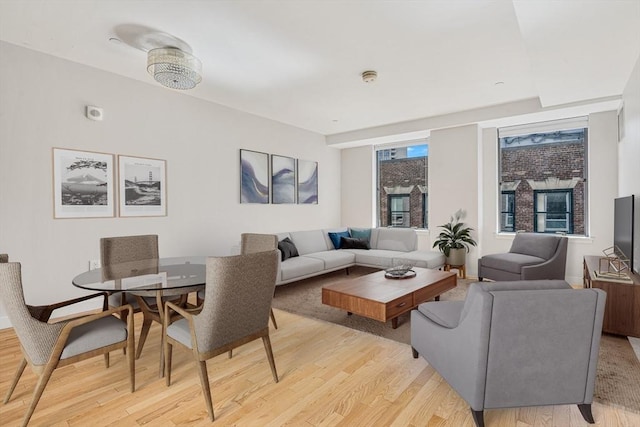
273	319
230	353
106	360
168	350
37	393
16	378
131	346
206	390
267	348
146	326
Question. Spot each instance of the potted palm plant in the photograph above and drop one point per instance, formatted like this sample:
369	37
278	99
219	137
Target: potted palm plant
454	239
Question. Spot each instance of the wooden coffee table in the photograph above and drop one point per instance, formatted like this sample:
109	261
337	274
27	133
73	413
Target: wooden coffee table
379	298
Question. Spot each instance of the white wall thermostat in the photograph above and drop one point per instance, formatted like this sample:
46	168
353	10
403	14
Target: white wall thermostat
94	113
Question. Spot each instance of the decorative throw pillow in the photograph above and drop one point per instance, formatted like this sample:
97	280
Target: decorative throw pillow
361	233
335	238
353	243
287	248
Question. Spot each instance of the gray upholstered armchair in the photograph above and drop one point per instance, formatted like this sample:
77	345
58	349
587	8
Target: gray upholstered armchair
532	256
514	344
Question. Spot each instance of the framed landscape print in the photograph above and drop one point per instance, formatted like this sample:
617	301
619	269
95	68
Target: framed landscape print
82	184
283	179
254	177
307	182
142	186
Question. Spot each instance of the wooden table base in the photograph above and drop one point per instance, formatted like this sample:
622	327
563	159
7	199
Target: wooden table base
376	297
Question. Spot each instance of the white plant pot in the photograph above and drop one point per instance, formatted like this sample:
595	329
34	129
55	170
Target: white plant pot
456	257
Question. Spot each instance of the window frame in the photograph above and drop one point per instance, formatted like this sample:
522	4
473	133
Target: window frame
579	198
390	212
570	214
512	195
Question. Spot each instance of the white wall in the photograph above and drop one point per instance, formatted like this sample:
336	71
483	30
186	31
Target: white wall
453	181
358	200
42	101
629	153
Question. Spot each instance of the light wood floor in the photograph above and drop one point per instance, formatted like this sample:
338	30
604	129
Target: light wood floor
329	376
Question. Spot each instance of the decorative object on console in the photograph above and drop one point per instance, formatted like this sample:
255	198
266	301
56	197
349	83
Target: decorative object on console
143	186
174	68
307	182
82	184
454	239
254	177
283	179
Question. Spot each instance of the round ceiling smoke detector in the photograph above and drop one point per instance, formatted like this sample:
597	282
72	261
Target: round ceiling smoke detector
369	76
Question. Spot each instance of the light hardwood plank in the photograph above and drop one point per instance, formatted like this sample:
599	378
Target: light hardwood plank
329	376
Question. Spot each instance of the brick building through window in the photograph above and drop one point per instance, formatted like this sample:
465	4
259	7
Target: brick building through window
402	188
543	182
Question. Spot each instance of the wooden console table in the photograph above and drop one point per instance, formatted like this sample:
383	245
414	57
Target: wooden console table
622	309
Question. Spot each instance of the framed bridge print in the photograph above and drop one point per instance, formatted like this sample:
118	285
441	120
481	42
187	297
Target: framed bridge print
142	186
82	184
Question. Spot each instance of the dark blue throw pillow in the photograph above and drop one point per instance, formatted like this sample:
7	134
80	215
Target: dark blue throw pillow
335	238
287	248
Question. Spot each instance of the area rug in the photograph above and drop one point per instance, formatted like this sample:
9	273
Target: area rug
618	378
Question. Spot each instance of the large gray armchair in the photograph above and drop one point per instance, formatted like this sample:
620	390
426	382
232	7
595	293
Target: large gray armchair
514	344
532	256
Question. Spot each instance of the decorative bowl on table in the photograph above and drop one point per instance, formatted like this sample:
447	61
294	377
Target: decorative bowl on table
400	271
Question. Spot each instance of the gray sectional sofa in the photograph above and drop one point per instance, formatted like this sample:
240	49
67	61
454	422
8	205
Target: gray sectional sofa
317	255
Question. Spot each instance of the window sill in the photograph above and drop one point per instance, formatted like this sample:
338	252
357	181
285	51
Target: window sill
578	239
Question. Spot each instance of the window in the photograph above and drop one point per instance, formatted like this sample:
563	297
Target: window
508	211
543	177
400	210
553	211
402	186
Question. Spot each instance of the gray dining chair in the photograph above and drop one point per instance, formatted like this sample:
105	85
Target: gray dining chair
46	346
251	243
235	312
118	250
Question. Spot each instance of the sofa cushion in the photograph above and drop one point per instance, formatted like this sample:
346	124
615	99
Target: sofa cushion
354	243
444	313
511	262
535	244
300	266
374	257
424	259
396	239
361	233
309	242
336	238
334	259
287	249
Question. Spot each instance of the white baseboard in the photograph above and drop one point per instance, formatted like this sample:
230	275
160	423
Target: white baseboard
80	307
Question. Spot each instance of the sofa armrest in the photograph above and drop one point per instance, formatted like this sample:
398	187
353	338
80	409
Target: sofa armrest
553	268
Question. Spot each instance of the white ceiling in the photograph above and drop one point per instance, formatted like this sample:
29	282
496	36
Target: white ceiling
299	62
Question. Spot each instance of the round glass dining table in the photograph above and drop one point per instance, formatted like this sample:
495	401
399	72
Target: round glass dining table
158	278
167	276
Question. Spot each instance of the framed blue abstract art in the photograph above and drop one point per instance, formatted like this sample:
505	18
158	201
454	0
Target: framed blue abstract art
254	177
307	182
283	179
